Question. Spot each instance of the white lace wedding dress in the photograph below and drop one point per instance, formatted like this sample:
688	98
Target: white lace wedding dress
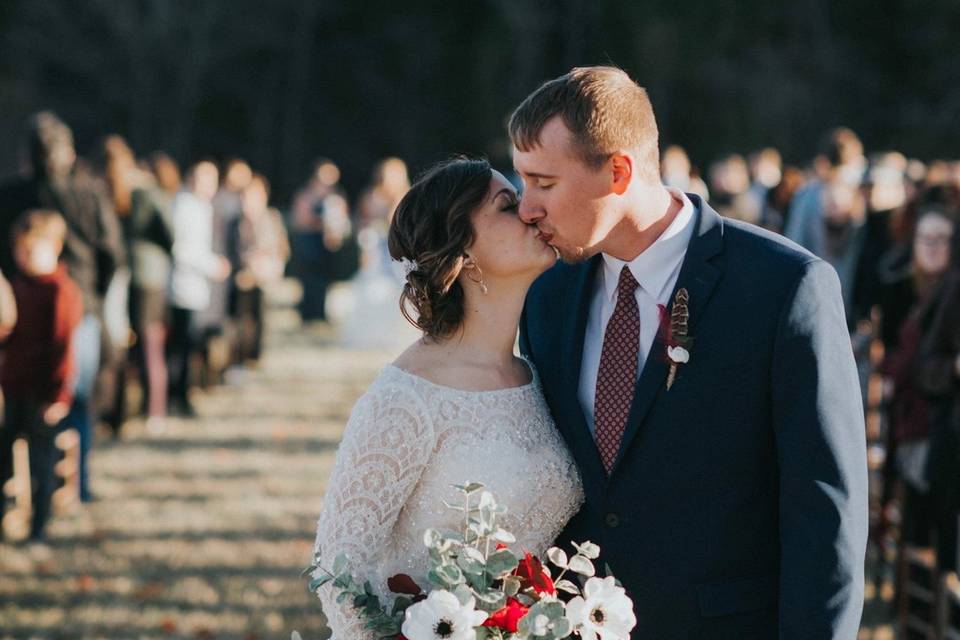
407	442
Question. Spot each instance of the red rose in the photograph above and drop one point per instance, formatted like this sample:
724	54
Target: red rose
508	617
531	574
501	546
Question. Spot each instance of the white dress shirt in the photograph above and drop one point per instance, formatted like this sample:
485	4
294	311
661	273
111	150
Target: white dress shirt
656	270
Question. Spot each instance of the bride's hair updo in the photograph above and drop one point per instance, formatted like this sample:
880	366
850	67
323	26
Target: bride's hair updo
432	229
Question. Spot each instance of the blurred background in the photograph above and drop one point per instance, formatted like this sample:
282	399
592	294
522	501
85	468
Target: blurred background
227	172
279	83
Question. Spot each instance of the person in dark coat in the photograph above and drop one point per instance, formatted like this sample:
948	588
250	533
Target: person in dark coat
92	249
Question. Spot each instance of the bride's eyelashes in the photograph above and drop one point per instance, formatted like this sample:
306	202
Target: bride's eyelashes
512	205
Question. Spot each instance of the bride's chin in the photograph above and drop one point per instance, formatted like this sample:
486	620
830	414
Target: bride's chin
549	259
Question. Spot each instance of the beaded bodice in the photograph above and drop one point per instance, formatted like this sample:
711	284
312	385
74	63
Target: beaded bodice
407	442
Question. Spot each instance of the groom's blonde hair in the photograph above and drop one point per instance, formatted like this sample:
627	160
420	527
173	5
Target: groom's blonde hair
604	109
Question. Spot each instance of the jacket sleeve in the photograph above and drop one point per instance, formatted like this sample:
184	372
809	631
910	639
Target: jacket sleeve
67	314
821	450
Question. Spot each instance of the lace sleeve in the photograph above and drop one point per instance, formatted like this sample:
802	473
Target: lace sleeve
385	446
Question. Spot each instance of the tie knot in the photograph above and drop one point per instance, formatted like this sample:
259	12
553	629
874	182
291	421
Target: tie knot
627	283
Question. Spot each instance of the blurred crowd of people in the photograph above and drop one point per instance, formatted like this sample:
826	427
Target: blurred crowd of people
112	264
121	277
164	279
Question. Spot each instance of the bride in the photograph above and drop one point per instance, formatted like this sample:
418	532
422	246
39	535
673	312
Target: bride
457	405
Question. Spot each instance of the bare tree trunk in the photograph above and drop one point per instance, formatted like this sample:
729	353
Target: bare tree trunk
194	64
294	95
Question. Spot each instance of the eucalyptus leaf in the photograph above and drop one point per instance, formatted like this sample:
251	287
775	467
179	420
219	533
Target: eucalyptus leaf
471	487
558	626
316	583
339	564
562	628
511	586
491	600
431	539
525	600
487	501
479	581
437	579
400	604
588	549
295	636
501	562
471	561
581	565
452	573
445	545
567	586
557	556
463	594
504	536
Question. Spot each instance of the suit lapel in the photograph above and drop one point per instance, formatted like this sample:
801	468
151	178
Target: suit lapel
698	276
574	427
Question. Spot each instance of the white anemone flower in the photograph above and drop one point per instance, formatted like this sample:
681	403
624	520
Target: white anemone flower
605	614
442	617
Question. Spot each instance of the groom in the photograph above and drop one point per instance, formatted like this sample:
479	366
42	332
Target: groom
701	373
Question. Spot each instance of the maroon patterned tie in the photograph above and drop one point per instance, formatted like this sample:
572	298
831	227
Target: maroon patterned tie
618	371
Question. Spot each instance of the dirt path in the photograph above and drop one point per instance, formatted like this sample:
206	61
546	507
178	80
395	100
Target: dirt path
200	532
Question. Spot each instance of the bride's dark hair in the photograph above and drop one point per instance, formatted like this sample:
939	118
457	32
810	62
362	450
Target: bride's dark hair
432	228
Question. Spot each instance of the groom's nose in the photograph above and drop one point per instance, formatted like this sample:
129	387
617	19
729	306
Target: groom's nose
530	211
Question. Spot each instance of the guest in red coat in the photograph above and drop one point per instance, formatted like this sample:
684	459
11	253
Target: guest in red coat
38	365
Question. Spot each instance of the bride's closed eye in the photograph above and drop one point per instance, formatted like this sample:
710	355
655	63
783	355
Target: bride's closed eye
510	205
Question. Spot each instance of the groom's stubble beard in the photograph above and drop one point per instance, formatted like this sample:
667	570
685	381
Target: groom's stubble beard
574	257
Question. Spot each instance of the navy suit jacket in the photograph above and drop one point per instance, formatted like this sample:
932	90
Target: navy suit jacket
737	507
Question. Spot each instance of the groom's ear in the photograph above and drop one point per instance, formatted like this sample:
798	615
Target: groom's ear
621	166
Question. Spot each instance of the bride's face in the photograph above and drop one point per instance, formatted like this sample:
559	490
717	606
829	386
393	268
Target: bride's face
504	246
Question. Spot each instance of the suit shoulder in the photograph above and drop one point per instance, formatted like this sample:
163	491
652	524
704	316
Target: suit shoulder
748	245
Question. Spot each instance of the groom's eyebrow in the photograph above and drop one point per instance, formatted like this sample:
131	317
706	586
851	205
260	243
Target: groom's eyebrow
538	175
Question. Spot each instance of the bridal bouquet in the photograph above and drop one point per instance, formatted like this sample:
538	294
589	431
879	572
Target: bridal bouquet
481	590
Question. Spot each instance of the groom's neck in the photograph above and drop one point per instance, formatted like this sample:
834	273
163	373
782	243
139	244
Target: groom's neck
647	214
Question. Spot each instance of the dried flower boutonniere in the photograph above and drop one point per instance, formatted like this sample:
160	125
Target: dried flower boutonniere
676	333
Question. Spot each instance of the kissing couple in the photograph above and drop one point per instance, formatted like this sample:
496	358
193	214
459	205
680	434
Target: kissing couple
685	394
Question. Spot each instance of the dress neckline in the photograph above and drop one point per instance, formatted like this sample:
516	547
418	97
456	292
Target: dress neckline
523	387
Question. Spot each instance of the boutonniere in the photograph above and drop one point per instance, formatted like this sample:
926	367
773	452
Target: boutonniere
675	332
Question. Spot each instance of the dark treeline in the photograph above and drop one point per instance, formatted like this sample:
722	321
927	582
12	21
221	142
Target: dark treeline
283	82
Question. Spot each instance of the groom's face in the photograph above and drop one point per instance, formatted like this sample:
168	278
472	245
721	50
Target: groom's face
567	200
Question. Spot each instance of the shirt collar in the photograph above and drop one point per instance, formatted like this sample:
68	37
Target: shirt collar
654	267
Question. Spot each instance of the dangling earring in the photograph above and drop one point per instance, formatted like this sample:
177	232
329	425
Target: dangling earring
471	265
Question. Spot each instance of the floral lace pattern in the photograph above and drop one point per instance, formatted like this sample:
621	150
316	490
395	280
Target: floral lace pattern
407	442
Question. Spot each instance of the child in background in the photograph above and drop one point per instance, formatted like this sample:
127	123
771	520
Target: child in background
38	364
